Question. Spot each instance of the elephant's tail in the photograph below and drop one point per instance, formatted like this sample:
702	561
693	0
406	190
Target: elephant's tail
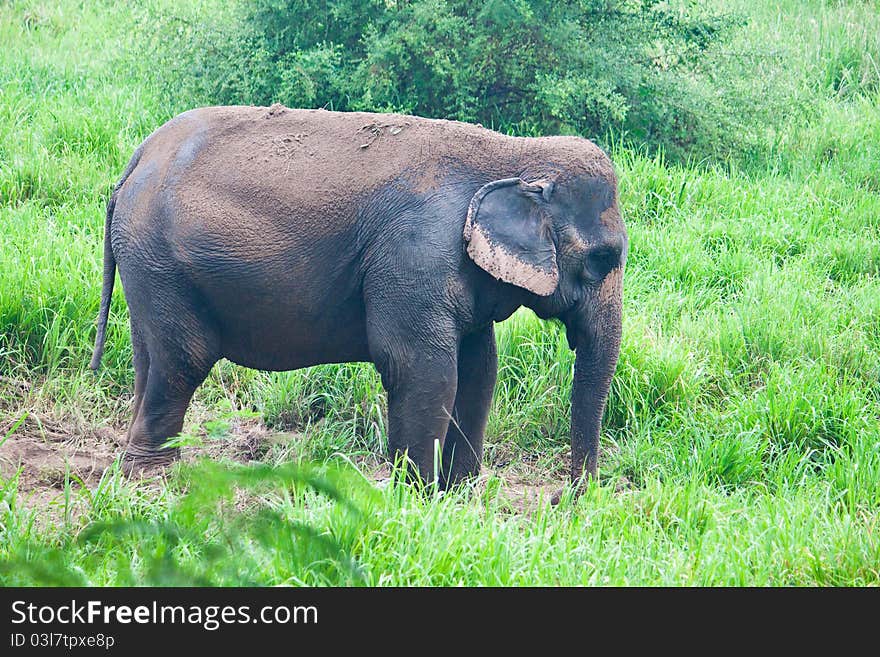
109	268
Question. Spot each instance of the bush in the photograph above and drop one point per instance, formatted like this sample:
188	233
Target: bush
530	66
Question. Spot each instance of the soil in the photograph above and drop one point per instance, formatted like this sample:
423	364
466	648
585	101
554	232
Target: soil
48	452
51	451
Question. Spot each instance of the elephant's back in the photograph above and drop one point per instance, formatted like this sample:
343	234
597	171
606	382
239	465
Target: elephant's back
318	161
257	175
291	153
263	176
343	154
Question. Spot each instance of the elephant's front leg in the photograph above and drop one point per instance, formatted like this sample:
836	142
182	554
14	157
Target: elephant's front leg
420	379
477	371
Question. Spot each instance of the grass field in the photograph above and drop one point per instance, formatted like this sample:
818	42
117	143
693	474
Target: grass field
741	443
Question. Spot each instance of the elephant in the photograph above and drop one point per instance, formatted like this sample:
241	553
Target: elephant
283	238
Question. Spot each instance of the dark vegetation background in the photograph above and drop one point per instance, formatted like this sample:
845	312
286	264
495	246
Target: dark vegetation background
638	69
644	70
672	76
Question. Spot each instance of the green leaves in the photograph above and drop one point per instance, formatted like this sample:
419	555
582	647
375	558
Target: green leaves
536	66
223	529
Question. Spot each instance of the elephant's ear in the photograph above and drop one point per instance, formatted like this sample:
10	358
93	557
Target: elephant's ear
508	234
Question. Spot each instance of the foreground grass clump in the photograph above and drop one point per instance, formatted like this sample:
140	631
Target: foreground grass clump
294	525
741	442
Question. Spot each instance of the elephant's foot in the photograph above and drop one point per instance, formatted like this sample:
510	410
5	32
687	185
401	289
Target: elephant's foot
145	462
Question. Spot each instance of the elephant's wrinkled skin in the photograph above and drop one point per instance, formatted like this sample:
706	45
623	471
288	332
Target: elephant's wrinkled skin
283	238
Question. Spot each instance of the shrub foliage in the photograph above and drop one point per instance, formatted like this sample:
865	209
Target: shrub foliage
532	66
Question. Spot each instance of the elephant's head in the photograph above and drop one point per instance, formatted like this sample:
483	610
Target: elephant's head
562	240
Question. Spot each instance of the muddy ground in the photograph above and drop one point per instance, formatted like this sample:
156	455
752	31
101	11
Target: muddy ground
48	449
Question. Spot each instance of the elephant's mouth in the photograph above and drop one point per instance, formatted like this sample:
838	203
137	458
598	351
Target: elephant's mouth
571	334
572	321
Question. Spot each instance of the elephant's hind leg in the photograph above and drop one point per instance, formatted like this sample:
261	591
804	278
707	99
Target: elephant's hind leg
140	357
179	354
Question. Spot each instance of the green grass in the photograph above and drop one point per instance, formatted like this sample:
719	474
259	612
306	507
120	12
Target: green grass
742	437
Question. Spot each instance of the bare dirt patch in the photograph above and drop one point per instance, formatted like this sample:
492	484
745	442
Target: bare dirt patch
53	452
524	495
45	453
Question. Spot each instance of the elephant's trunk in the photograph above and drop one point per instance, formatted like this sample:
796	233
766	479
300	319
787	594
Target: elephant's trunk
595	333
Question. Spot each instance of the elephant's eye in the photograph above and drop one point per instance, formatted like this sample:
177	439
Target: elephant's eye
603	259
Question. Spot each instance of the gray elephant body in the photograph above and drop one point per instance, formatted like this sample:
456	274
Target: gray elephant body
281	239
